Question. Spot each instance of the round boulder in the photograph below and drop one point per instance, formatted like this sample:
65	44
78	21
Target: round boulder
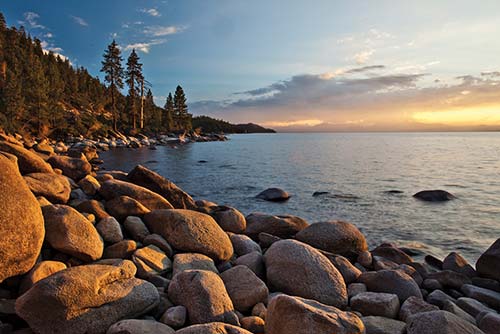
54	187
74	168
434	196
391	281
284	226
274	195
440	322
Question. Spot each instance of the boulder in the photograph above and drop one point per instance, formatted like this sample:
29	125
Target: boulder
110	230
490	297
349	272
54	187
94	207
146	178
287	314
122	207
28	162
175	316
391	281
376	303
139	326
89	185
393	254
381	325
213	328
439	298
86	299
204	296
192	261
229	219
488	263
136	228
244	288
74	168
254	261
354	289
274	195
21	223
191	231
440	322
434	196
253	324
160	242
298	269
115	188
40	271
490	323
450	279
414	305
472	306
284	226
456	310
455	262
243	244
335	237
153	258
70	232
121	250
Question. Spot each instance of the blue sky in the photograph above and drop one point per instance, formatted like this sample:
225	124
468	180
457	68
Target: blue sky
296	65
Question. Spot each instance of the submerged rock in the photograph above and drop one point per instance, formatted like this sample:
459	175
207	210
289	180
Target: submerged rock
434	195
274	195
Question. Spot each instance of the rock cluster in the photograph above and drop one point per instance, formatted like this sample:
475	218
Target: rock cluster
109	252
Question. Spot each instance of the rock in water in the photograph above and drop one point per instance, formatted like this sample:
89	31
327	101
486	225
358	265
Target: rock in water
54	187
297	315
284	226
440	322
86	299
298	269
204	296
191	231
21	223
434	195
335	237
146	178
28	161
488	263
74	168
115	188
70	232
274	195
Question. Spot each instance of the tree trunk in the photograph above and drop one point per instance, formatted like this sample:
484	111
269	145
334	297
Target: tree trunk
142	103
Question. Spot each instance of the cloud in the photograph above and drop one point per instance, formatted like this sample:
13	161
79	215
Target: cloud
151	11
31	20
363	57
49	47
79	21
144	46
159	31
365	69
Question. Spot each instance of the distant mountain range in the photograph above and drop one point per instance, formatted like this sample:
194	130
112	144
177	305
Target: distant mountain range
211	125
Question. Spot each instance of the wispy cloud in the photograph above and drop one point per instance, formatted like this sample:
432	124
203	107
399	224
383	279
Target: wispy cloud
363	57
144	46
151	11
158	31
31	20
79	20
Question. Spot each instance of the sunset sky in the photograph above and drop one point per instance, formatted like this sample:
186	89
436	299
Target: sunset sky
296	65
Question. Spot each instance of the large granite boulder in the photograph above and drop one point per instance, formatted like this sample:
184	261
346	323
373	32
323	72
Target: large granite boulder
391	281
54	187
115	188
229	219
297	315
213	328
274	195
40	271
86	299
74	168
28	162
21	222
204	295
244	288
70	232
146	178
191	231
488	263
122	207
335	237
440	322
298	269
284	226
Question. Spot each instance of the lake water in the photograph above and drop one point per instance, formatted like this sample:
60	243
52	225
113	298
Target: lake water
357	169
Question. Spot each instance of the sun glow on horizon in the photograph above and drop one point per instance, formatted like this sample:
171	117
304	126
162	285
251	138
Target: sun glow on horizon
473	116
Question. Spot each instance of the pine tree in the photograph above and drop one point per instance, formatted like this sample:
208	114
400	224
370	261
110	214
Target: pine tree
134	79
112	66
182	118
169	112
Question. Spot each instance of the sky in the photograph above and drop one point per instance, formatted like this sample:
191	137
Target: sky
320	65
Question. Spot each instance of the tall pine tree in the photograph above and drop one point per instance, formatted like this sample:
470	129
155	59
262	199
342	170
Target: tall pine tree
182	118
134	79
169	113
112	67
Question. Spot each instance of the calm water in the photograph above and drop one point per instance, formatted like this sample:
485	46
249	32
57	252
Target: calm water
357	169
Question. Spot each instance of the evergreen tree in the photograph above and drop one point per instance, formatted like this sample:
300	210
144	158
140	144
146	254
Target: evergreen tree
134	79
112	66
169	112
182	118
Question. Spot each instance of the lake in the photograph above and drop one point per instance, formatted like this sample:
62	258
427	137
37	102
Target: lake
357	170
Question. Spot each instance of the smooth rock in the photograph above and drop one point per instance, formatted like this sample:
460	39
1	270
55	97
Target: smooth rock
160	242
175	316
490	297
376	303
229	219
335	237
213	328
472	306
440	322
21	223
349	272
274	195
121	250
122	207
74	168
456	310
381	325
55	188
244	288
283	226
89	185
254	261
414	305
139	326
490	323
86	299
243	244
253	324
110	230
391	281
40	271
70	232
298	269
27	161
434	195
488	263
192	261
135	227
393	254
354	289
191	231
204	296
438	298
455	262
287	314
450	279
94	207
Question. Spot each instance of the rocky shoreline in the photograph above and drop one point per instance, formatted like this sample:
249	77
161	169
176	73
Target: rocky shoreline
89	251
